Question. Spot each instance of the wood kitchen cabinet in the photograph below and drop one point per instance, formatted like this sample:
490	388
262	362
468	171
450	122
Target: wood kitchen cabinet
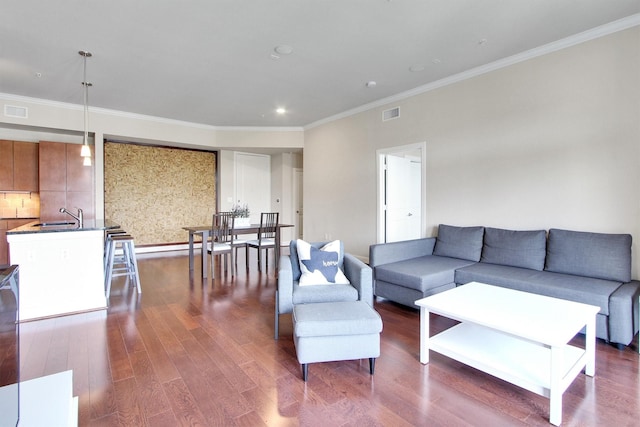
53	166
18	166
79	177
64	181
6	165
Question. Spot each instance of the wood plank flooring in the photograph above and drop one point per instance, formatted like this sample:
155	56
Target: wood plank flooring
194	353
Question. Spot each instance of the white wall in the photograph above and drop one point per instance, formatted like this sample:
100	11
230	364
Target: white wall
552	142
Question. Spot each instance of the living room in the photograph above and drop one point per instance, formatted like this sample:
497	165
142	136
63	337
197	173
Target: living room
547	142
547	139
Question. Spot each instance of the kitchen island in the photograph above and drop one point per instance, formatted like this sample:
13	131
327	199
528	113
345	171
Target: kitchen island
61	267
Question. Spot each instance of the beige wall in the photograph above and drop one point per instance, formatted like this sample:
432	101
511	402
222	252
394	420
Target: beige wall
550	142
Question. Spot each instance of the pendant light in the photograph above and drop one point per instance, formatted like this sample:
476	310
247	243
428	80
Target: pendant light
85	152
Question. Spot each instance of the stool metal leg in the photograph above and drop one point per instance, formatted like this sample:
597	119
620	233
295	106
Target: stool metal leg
128	260
134	262
109	275
107	252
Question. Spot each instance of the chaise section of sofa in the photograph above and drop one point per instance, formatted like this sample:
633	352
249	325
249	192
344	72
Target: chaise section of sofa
592	268
407	271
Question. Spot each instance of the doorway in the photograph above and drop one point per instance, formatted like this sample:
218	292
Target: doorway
253	183
297	203
401	192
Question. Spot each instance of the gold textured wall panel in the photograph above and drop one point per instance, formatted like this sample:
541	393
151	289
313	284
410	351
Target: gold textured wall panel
152	192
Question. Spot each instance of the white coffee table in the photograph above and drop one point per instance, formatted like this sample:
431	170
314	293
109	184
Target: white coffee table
517	336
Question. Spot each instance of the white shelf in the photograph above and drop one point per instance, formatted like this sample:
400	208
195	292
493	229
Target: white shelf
521	362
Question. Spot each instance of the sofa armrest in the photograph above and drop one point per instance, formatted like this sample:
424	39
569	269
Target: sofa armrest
385	253
360	276
623	313
285	285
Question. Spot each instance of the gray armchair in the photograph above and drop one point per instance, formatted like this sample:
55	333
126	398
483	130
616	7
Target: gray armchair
289	293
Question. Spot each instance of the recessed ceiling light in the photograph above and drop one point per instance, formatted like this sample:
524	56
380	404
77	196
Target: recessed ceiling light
371	83
283	49
416	68
281	110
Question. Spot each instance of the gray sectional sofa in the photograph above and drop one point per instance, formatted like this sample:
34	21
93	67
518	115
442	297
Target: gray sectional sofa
591	268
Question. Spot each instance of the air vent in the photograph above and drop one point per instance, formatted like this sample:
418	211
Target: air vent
17	112
392	113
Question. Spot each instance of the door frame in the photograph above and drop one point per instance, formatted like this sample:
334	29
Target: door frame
380	167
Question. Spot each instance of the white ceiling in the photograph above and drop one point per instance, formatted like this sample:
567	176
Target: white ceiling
210	61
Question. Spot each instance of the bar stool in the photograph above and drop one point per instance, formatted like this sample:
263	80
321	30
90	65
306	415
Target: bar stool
127	265
107	244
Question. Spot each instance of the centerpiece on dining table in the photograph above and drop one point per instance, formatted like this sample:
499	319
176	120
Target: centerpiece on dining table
241	213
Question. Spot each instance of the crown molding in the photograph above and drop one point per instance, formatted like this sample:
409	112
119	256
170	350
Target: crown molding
592	34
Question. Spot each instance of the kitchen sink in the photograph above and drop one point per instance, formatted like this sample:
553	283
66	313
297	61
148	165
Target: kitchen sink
54	224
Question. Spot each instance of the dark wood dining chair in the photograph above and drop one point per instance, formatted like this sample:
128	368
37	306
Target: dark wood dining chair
221	242
238	242
266	238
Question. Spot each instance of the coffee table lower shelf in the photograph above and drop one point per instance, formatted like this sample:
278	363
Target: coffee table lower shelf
516	360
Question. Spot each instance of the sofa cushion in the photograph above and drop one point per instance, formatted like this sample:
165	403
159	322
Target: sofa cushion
526	249
603	256
421	273
586	290
459	242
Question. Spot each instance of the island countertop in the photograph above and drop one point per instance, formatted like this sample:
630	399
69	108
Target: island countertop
63	226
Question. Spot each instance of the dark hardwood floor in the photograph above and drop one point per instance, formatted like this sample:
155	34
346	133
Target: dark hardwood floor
188	352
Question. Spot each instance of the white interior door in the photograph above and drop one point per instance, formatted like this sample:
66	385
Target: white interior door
297	203
253	183
403	198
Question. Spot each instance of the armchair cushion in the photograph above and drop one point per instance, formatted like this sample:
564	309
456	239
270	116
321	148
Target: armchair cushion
317	293
320	266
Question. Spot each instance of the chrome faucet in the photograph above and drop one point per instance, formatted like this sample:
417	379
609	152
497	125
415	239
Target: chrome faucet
78	217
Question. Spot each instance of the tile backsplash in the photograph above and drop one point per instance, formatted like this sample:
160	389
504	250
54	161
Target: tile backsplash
19	205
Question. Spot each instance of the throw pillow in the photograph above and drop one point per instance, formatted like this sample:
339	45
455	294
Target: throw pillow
320	266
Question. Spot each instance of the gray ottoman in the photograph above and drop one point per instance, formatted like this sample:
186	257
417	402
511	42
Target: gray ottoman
331	331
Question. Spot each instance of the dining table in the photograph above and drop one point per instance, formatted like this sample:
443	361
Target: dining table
207	230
